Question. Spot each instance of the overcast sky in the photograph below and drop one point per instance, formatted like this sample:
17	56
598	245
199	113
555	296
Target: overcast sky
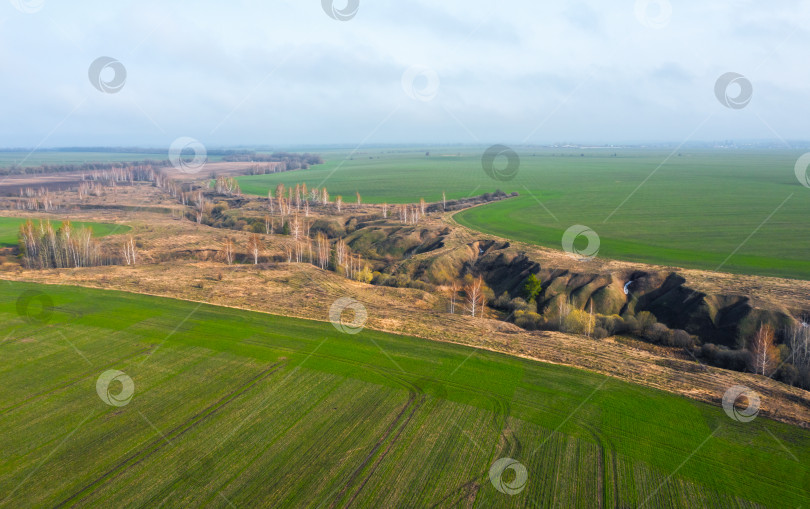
452	71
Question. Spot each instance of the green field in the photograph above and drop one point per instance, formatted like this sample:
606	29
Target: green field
10	229
696	210
234	409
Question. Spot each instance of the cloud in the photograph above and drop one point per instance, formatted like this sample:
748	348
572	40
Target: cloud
284	72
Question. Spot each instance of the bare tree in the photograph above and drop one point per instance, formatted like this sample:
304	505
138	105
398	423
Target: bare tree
322	247
280	197
359	200
454	289
385	210
474	290
798	336
200	206
130	251
764	355
339	202
340	253
228	251
295	228
444	201
255	247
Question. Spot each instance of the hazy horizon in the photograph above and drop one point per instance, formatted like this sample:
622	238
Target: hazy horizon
764	144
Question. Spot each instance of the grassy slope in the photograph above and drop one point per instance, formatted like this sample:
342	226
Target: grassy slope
256	409
10	228
695	210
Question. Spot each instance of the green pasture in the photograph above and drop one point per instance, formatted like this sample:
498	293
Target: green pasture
732	210
240	409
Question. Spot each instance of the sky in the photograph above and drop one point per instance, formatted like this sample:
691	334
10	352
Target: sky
311	72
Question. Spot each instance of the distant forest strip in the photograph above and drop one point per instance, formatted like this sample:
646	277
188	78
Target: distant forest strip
67	168
291	161
305	160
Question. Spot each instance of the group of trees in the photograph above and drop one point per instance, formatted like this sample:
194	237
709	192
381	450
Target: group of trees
288	161
789	361
296	199
762	354
471	293
36	200
227	186
79	168
564	316
92	183
316	250
44	247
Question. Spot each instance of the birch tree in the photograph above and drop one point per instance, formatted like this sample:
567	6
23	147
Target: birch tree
130	251
255	247
474	291
764	354
322	247
228	251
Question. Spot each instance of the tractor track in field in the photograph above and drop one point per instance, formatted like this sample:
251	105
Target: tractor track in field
414	392
382	456
159	443
90	373
469	489
602	467
516	449
501	409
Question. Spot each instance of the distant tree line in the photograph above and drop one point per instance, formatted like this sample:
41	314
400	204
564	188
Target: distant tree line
84	167
291	160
